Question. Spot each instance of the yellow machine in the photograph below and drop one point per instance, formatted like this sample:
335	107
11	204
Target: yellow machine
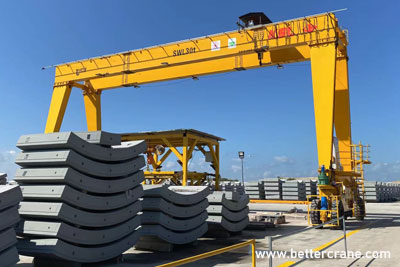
188	140
256	43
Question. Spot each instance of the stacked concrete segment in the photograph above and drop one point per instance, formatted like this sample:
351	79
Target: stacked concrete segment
10	197
381	192
255	190
3	178
174	214
294	190
272	188
80	195
228	210
232	187
311	187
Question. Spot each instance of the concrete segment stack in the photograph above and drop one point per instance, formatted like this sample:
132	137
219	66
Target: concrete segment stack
311	187
381	192
80	195
272	188
3	178
228	210
10	197
173	214
232	187
294	190
255	190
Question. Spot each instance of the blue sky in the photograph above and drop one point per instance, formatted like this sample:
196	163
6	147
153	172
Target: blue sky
266	112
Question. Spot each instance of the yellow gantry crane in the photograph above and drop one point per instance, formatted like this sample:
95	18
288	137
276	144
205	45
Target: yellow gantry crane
257	43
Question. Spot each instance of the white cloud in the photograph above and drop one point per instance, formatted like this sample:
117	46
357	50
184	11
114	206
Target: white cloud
267	174
283	159
236	168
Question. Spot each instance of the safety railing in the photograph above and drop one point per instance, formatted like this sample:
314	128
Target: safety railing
251	243
272	238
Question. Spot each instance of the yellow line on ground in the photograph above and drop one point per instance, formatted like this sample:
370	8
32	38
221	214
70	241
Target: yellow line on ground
335	240
290	263
287	264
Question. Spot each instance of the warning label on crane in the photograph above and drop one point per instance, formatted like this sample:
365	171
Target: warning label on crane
215	45
232	43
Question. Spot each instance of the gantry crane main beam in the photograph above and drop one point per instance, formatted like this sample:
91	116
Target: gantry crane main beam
316	38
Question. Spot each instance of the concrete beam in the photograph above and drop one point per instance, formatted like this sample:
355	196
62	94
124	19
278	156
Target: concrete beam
69	195
174	224
175	237
8	238
70	158
73	234
67	213
10	195
159	204
100	138
68	140
76	179
228	225
9	217
181	195
56	248
229	215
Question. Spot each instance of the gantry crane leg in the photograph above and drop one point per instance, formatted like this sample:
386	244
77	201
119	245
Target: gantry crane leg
323	67
59	101
342	113
92	101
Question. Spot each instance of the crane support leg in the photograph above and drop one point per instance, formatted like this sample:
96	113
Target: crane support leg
342	113
59	101
323	65
185	158
92	101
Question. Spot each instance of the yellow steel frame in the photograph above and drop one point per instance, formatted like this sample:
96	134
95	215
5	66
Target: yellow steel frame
270	201
251	243
185	140
317	38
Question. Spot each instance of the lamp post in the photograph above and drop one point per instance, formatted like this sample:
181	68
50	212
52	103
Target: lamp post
241	156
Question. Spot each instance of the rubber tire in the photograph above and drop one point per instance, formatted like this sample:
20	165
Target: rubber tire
359	209
315	215
334	213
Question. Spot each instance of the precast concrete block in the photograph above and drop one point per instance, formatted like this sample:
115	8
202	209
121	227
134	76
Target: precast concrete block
8	238
9	217
59	249
272	188
219	199
67	213
69	195
218	196
9	257
73	234
171	223
228	225
159	204
70	158
232	216
79	180
172	236
100	138
10	195
180	195
271	180
68	140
